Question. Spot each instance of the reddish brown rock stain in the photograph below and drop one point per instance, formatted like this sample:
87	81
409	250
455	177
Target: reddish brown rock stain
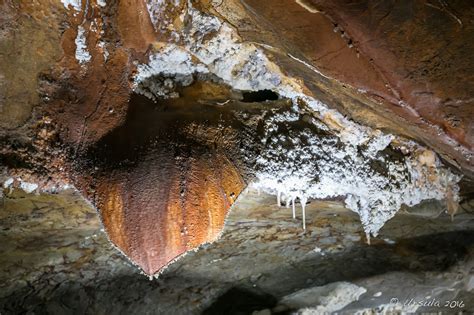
134	25
314	36
157	211
92	98
162	188
422	51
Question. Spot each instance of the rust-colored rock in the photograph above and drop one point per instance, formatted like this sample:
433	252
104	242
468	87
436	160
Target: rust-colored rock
134	25
422	49
166	206
90	98
313	36
161	186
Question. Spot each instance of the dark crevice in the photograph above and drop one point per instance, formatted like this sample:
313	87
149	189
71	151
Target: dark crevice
239	301
259	96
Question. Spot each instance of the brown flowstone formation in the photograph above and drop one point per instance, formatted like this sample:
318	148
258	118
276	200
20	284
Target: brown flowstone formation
164	182
161	186
165	206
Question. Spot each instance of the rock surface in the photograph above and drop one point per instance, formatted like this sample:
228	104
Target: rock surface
418	73
160	113
61	262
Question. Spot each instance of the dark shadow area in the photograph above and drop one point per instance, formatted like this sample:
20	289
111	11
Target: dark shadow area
239	301
259	96
172	124
149	125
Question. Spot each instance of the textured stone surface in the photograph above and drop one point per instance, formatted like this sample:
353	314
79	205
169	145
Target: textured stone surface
164	173
426	65
167	205
398	65
29	46
49	243
61	262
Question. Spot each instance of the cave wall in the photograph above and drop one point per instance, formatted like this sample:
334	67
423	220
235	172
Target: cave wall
71	71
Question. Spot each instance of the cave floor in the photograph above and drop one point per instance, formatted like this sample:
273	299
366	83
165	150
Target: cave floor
56	259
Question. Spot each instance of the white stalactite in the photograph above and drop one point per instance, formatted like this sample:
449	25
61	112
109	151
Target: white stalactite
293	206
303	201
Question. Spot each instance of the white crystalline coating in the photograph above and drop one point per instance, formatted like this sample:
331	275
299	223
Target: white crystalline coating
155	9
76	4
169	61
82	54
174	64
322	167
28	187
378	143
8	183
241	65
35	184
312	166
324	299
349	131
104	50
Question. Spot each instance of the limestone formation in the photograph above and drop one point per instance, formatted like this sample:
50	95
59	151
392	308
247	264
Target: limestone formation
164	116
